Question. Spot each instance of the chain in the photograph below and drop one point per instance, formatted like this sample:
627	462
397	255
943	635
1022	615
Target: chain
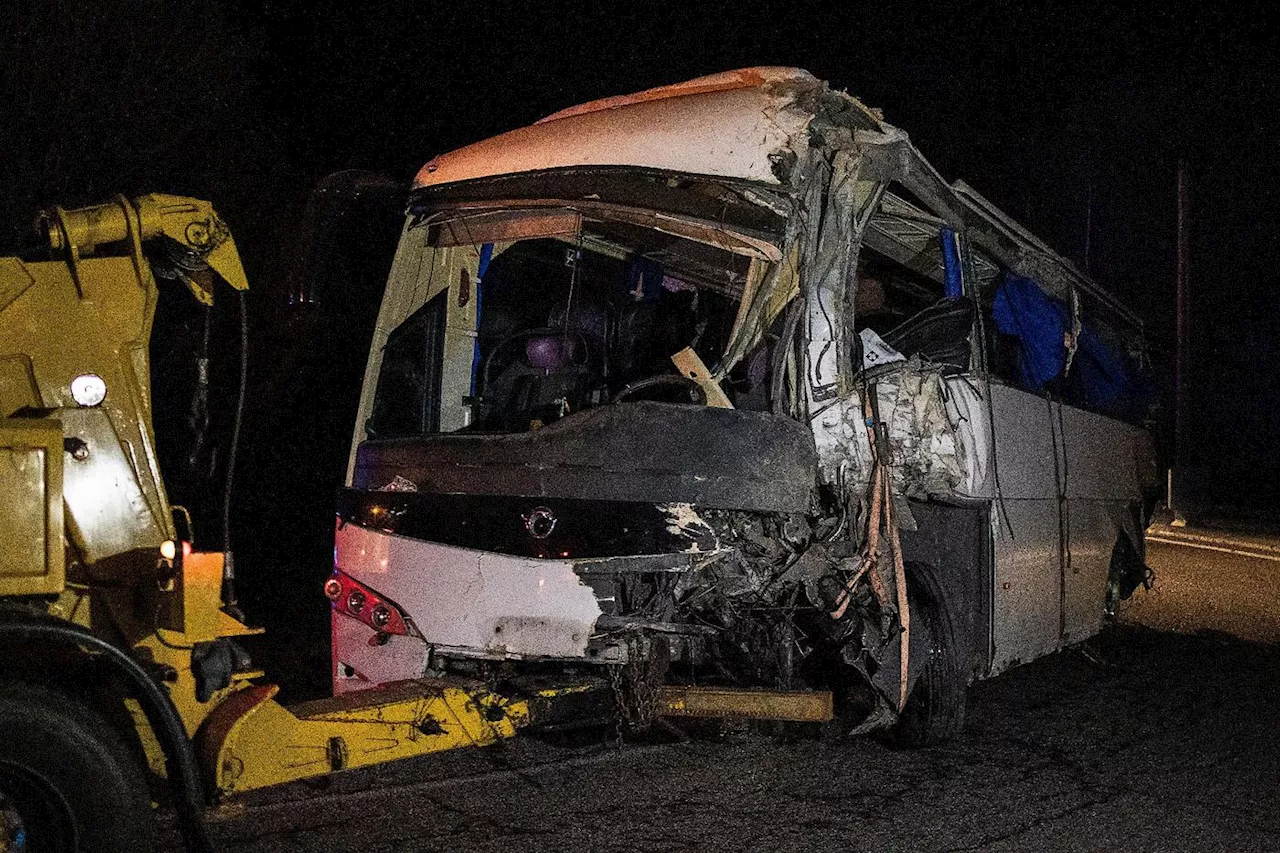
637	684
620	702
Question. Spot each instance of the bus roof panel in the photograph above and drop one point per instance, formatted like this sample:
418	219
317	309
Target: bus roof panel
748	124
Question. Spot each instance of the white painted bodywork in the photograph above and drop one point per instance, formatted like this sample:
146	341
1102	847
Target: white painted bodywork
966	406
474	603
360	661
726	125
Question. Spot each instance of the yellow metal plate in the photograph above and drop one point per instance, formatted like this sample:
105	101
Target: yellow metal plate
31	550
251	741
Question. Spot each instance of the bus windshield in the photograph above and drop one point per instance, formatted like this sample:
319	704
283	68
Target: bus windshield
563	309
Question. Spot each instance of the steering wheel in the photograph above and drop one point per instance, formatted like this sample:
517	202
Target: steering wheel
669	380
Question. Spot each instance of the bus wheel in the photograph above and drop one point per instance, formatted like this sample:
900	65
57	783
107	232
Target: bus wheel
67	783
934	712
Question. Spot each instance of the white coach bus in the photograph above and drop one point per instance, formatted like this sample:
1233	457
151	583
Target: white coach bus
721	383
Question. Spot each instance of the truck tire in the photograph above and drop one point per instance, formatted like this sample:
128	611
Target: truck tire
67	783
934	712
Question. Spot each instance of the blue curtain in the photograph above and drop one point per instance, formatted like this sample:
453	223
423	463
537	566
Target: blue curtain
1025	311
1100	378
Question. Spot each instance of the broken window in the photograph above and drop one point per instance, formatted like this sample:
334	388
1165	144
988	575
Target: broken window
1109	373
910	313
1002	345
407	400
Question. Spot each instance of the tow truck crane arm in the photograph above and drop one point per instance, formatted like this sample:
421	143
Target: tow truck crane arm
200	240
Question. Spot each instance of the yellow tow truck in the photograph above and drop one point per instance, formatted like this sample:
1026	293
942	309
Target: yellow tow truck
115	660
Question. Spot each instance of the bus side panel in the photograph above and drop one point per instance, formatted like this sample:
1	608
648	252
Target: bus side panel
1024	444
1028	586
1027	594
1093	530
1102	477
1101	456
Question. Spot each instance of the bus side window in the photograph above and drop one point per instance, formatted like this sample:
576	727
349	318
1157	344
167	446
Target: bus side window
1028	332
910	313
1002	352
407	400
1108	372
888	293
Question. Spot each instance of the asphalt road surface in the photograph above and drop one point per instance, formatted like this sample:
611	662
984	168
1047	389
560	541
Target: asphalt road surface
1200	589
1144	740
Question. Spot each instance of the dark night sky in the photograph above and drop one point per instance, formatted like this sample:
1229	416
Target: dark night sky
249	104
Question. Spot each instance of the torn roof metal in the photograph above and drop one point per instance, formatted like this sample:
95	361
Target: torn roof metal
749	124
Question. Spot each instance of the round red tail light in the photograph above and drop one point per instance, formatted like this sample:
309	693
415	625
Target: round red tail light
354	599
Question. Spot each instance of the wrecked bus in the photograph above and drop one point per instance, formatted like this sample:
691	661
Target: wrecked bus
722	384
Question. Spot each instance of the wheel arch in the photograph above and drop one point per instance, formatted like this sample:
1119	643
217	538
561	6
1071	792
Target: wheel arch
23	626
951	545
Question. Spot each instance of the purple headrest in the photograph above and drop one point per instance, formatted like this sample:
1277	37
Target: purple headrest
549	352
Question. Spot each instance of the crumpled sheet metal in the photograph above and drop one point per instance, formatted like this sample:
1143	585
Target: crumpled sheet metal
749	124
937	434
969	414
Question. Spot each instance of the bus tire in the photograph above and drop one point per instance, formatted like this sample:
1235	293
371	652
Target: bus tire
67	783
934	712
